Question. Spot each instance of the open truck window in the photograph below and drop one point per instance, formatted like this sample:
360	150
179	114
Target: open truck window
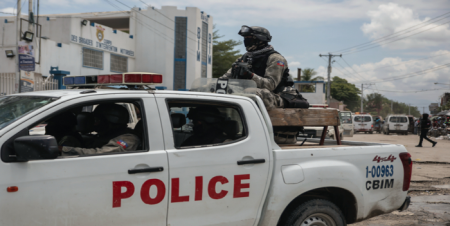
198	123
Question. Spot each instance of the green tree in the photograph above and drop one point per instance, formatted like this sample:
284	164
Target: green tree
374	102
223	54
386	107
308	75
341	90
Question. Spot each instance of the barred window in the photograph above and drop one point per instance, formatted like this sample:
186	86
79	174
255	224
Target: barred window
119	63
204	48
179	76
92	58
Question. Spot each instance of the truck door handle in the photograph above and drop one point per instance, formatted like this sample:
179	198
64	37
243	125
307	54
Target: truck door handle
146	170
252	161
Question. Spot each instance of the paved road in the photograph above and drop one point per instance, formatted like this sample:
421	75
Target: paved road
430	183
440	153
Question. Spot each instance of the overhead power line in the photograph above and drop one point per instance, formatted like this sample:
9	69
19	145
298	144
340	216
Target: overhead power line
150	28
396	33
7	13
413	74
375	45
410	61
349	73
408	75
154	19
410	91
158	11
352	68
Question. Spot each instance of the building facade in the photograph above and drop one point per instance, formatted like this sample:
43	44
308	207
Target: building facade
172	42
434	108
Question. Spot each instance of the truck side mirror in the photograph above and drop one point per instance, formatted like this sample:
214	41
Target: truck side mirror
35	147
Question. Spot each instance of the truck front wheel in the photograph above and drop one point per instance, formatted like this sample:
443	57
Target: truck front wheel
318	212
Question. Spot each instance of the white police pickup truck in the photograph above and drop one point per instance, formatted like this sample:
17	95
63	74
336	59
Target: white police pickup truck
245	180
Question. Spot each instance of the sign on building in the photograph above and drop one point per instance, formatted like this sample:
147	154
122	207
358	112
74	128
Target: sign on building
26	81
26	56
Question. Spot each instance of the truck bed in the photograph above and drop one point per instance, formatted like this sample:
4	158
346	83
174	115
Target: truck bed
314	143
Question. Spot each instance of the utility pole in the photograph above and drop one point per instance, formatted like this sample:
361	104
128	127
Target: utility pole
409	109
362	94
17	83
423	110
330	56
30	15
392	106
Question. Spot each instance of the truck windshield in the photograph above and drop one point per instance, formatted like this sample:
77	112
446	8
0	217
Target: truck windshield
346	117
13	108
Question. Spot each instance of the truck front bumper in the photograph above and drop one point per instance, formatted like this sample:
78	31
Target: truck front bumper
405	204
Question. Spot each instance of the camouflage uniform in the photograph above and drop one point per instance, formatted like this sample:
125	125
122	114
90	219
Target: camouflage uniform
276	64
122	143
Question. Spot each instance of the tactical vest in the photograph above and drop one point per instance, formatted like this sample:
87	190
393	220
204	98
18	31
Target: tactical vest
259	65
259	62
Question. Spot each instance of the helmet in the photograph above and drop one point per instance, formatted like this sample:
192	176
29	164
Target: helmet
207	114
259	32
113	113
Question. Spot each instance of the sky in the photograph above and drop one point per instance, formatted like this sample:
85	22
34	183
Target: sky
403	67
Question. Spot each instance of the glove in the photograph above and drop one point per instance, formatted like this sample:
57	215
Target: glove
246	73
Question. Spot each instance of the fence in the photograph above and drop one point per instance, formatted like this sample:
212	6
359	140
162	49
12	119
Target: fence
40	84
7	83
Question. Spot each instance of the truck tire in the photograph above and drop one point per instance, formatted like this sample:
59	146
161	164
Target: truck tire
371	132
316	212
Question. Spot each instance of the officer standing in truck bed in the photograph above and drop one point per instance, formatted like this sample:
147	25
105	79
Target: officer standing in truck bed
262	64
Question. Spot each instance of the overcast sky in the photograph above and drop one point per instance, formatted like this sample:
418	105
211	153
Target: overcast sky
303	29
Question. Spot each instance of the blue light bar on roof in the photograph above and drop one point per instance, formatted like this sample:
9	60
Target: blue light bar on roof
79	80
68	81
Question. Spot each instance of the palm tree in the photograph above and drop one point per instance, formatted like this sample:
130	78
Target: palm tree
308	75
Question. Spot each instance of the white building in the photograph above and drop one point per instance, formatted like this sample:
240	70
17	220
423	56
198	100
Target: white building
172	42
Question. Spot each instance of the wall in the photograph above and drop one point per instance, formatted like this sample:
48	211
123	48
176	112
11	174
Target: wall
155	41
317	97
68	57
151	48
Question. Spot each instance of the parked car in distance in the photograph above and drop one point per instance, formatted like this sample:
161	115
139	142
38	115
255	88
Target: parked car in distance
396	124
363	122
411	123
346	123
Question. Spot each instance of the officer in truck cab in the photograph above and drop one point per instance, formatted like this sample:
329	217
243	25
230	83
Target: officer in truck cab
112	133
207	126
262	64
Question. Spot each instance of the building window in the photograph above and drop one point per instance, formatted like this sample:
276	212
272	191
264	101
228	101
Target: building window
179	75
204	48
119	63
92	58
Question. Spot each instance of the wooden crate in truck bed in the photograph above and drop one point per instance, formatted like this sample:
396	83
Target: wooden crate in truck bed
307	117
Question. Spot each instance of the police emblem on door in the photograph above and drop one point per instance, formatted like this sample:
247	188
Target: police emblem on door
100	34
